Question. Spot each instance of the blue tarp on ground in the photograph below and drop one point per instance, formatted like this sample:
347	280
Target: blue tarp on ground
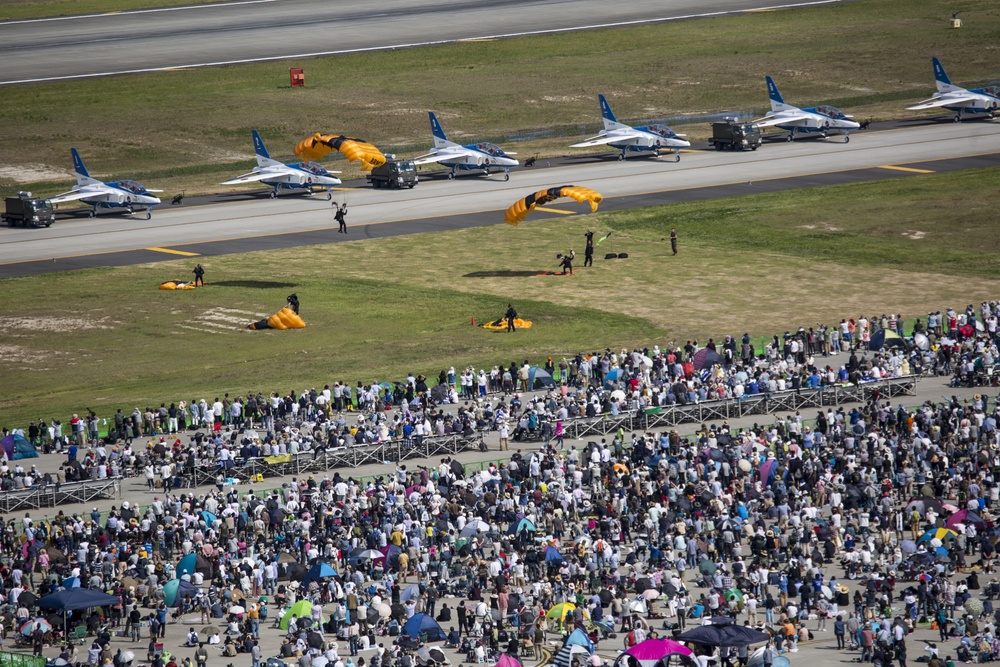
552	556
422	624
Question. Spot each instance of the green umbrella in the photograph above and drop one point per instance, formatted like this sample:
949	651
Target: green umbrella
706	567
733	594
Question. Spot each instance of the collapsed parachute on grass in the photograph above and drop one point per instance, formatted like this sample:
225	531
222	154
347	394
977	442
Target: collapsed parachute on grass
501	324
177	284
522	208
286	318
353	149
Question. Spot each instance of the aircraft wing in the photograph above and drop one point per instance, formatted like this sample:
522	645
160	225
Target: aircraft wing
780	120
73	195
442	155
943	101
252	177
608	138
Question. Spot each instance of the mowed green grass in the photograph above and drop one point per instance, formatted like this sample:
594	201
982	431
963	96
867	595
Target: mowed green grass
14	10
378	309
188	130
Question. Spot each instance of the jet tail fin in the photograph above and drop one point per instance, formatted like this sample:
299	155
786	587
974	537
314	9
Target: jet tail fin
777	101
944	84
263	157
610	122
80	169
440	138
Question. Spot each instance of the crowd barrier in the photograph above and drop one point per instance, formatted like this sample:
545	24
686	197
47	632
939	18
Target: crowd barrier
345	457
59	494
756	404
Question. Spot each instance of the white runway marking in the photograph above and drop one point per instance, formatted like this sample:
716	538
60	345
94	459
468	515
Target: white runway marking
411	45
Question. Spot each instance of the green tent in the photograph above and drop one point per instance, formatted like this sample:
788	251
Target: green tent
301	609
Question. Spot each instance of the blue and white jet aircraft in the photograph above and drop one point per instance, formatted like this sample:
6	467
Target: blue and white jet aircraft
280	176
824	119
637	139
960	100
113	194
481	157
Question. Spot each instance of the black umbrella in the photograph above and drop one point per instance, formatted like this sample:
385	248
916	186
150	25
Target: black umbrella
398	611
643	584
458	469
305	623
26	599
372	615
315	639
606	596
723	632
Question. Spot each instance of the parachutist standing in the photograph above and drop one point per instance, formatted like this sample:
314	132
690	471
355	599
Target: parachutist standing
340	215
509	316
293	302
588	253
199	276
567	262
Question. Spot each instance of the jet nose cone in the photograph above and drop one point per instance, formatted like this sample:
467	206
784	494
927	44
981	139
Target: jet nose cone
852	124
149	199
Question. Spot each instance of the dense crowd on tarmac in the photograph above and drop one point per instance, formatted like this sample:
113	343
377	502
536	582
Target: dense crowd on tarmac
639	533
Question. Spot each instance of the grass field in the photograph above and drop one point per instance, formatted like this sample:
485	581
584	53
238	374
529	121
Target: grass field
14	10
378	309
188	130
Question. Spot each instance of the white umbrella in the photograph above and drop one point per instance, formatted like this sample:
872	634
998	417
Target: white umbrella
320	661
236	609
935	542
827	593
128	656
618	395
384	610
744	465
646	361
650	594
638	606
473	527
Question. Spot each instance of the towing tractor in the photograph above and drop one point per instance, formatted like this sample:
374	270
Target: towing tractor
394	174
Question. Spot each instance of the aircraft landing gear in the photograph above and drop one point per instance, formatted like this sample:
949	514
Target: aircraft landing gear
131	211
958	117
329	195
149	214
677	156
506	174
621	156
656	152
451	175
93	213
791	135
847	138
274	194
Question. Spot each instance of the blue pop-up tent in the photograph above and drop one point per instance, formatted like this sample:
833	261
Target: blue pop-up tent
422	624
175	590
18	447
553	557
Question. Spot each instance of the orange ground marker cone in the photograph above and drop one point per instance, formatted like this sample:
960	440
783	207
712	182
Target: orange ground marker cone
473	320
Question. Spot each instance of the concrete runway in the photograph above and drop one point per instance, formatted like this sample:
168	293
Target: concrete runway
261	30
259	223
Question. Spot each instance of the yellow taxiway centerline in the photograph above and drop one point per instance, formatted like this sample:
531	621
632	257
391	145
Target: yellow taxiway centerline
171	251
911	170
554	210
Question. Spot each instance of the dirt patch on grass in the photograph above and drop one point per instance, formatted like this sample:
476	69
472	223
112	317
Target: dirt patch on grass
32	173
24	358
54	324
